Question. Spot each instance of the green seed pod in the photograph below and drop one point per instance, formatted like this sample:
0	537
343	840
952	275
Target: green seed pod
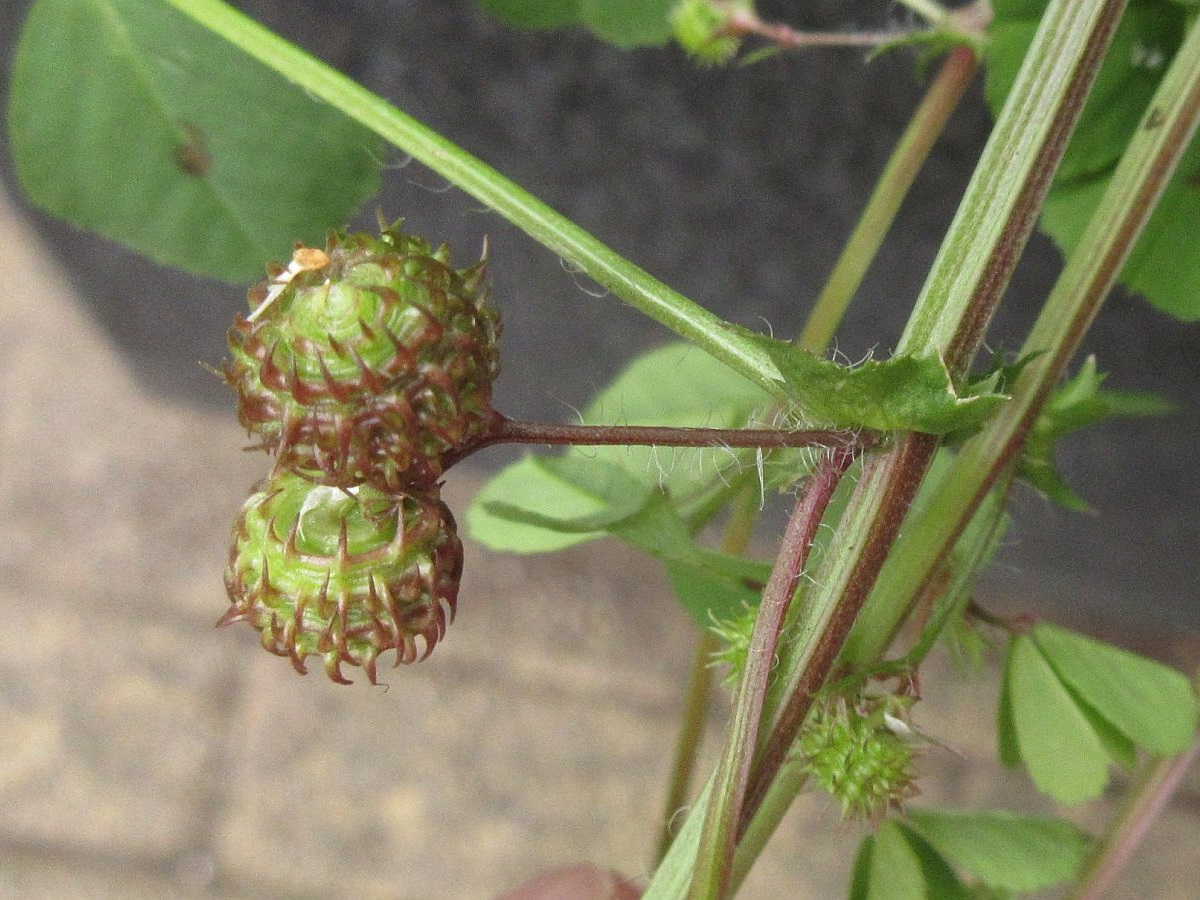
345	575
850	751
367	362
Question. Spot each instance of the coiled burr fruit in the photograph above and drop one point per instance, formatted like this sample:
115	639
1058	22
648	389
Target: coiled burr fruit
366	362
343	574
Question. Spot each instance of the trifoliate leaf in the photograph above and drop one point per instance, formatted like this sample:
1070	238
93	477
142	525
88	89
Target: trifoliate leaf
539	505
905	393
533	13
1152	705
1163	266
1078	404
1006	850
1064	755
128	119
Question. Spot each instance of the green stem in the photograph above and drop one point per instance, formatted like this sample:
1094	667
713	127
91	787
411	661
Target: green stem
1144	170
719	835
963	289
1143	805
556	232
964	286
913	149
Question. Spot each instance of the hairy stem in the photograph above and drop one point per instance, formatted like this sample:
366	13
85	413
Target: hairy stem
1086	280
718	838
503	430
963	290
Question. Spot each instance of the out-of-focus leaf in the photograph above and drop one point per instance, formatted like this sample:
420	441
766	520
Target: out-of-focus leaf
1150	704
1006	850
1079	403
537	505
128	119
1064	755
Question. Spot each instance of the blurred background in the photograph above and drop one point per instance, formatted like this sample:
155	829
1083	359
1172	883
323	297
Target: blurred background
146	755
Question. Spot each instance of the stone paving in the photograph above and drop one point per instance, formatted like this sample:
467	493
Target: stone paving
143	753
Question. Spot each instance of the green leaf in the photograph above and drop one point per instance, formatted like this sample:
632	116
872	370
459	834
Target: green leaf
1163	266
1006	850
906	393
130	120
860	878
628	23
676	385
902	865
708	595
1150	704
534	13
501	515
1064	755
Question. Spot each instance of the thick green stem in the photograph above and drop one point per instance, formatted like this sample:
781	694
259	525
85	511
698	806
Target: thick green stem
556	232
963	289
906	160
1170	121
965	286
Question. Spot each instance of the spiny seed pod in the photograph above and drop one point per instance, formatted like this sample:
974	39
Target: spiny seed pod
343	574
366	362
850	751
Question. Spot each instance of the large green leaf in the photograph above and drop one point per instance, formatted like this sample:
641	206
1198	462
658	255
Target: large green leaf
1163	267
905	393
1152	705
1064	755
128	119
1006	850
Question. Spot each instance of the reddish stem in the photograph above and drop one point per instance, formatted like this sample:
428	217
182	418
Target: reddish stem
718	839
503	430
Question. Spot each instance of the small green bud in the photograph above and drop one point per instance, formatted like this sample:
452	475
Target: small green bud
851	752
